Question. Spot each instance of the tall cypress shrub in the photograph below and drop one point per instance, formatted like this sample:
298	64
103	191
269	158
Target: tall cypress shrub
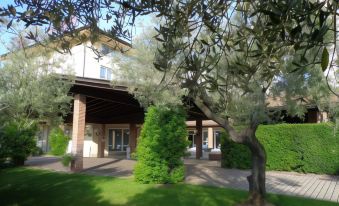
161	146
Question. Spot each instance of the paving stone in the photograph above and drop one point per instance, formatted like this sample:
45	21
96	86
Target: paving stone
209	173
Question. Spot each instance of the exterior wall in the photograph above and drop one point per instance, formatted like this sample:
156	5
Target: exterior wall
82	61
91	141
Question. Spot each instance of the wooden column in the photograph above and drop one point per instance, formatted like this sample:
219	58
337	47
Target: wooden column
198	139
79	115
103	141
133	132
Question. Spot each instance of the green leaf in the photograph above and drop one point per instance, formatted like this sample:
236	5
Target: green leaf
324	59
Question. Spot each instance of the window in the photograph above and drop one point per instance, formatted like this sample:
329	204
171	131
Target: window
105	73
191	136
205	140
105	49
118	139
217	143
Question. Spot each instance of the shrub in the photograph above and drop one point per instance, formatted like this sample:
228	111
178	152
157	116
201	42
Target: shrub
66	160
17	141
161	146
3	152
311	148
58	142
37	151
234	155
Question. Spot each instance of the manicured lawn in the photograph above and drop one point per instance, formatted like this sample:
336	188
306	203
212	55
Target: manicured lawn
22	186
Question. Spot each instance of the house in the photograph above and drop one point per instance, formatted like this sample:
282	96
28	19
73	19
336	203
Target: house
106	120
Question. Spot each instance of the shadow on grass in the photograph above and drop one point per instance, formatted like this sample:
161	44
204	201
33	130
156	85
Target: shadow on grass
21	186
183	194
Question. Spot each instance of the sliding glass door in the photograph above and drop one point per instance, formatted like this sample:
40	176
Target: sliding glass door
118	139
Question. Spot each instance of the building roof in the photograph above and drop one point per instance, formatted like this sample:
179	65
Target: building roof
106	104
104	37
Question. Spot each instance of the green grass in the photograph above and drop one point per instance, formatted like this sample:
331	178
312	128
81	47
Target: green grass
22	186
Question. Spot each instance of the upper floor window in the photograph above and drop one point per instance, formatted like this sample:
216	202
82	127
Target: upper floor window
105	73
105	49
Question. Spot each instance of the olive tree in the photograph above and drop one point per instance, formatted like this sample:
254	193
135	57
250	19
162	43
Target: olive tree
226	55
30	88
30	92
235	91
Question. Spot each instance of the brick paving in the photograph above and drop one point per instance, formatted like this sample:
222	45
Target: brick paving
322	187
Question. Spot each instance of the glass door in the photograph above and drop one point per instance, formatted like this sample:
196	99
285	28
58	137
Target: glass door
118	139
191	136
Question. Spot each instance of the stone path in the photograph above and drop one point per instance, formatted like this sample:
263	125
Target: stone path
322	187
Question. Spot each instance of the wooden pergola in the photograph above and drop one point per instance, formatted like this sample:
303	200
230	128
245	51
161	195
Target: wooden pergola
97	101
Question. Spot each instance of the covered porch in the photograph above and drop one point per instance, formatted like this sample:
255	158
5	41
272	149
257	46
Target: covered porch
106	121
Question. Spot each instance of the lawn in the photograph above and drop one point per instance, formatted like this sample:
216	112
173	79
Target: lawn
22	186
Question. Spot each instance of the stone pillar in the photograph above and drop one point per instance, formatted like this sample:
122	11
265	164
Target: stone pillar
210	137
198	139
133	132
78	134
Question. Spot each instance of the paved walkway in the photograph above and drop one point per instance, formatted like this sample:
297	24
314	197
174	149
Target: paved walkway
323	187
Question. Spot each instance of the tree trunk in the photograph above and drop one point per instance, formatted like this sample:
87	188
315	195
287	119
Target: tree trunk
247	137
257	178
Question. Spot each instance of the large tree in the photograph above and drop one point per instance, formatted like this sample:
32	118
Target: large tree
235	91
30	89
225	55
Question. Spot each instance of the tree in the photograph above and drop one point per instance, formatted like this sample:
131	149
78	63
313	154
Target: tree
30	89
30	92
232	92
226	55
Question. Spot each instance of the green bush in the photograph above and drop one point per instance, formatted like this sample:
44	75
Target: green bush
66	160
37	151
309	148
161	146
17	141
234	155
58	142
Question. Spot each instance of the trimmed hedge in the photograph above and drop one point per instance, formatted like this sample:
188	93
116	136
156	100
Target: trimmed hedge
161	146
309	148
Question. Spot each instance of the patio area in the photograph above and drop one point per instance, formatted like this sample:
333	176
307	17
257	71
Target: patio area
322	187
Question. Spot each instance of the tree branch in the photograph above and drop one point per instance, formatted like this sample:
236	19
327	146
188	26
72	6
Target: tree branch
204	105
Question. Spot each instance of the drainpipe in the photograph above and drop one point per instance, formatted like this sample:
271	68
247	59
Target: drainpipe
84	65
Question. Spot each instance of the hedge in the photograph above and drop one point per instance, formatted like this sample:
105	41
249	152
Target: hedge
161	146
308	148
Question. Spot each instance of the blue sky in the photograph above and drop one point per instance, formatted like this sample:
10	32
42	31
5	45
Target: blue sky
5	34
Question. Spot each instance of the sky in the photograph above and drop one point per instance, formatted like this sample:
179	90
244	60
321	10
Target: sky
5	35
